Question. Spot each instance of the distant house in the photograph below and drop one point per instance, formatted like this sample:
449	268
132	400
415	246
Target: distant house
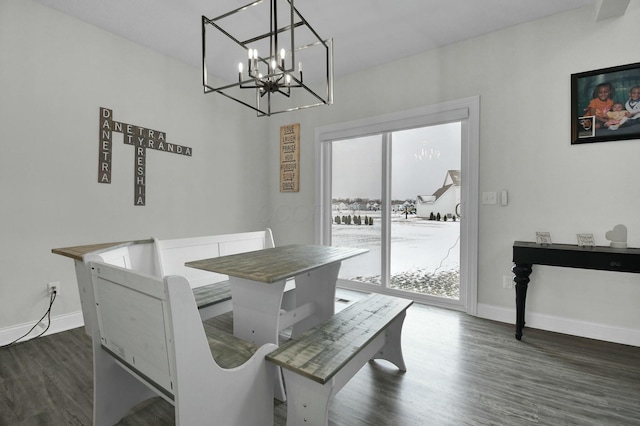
444	201
406	206
357	206
339	207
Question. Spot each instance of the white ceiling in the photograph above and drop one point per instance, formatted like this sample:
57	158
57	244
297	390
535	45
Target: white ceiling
365	32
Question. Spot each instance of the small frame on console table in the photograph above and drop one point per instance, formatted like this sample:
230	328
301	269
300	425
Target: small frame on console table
605	104
603	258
586	240
543	238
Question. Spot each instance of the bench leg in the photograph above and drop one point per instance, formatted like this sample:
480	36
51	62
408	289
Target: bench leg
307	402
115	391
392	349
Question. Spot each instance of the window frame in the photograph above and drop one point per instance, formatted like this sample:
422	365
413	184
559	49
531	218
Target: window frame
467	111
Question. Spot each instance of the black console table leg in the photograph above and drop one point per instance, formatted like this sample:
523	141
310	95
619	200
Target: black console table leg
521	278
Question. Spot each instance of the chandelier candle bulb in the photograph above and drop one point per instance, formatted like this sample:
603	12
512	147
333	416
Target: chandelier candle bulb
254	60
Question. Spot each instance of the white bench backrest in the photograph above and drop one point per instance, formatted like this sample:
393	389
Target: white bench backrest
118	257
172	254
151	328
134	323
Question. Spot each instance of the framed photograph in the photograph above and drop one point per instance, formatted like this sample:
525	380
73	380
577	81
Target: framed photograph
605	104
586	240
543	238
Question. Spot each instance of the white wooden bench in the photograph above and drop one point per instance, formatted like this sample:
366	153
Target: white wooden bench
152	342
166	257
212	291
319	362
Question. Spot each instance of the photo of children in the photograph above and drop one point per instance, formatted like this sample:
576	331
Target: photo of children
606	104
616	117
601	103
633	104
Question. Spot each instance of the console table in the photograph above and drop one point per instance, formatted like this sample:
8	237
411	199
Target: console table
526	254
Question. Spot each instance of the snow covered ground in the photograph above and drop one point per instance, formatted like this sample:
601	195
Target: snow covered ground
425	255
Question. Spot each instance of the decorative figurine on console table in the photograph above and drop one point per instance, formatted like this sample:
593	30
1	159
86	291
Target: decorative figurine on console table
617	236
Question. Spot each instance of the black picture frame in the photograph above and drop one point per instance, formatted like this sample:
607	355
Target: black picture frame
597	121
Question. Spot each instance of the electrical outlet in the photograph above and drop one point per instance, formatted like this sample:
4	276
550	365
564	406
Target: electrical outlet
53	286
507	281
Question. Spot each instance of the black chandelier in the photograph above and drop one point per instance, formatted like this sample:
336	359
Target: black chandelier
273	59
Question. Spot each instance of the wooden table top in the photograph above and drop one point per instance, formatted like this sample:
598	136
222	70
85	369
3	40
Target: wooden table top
275	264
77	252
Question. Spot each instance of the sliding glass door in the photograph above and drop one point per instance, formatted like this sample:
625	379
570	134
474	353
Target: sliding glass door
425	195
420	252
399	187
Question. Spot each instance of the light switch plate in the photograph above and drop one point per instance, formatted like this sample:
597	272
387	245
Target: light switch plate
489	198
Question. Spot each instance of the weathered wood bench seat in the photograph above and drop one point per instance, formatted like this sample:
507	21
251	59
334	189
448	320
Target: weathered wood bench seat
319	362
208	295
152	342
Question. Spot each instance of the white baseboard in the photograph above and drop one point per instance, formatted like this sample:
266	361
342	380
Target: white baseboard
591	330
58	323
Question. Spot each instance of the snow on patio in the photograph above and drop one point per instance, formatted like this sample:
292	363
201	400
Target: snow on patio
425	255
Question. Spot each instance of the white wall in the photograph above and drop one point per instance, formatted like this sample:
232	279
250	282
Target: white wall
522	75
55	74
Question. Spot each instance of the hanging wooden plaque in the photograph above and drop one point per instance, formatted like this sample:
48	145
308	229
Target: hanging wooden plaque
290	158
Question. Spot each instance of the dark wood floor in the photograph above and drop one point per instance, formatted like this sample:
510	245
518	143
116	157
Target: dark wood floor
461	371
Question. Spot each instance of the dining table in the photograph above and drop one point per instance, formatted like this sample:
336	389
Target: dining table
257	285
258	280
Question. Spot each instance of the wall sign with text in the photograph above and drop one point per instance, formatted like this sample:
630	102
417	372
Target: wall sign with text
141	139
290	158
